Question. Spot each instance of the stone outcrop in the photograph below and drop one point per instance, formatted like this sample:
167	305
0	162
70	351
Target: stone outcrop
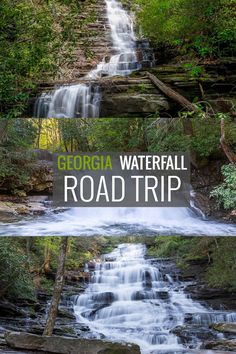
42	178
227	345
225	327
11	207
64	345
136	96
93	43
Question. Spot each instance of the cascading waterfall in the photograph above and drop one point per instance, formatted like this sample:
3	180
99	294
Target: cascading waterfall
118	222
83	100
124	61
70	101
130	299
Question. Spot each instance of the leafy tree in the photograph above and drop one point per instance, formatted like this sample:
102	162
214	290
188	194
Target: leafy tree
18	136
225	193
204	27
221	272
119	134
34	37
16	282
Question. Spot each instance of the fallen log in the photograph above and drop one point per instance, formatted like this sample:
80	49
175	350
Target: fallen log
66	345
172	93
226	148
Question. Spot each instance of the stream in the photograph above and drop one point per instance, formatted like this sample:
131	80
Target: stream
117	222
142	301
83	100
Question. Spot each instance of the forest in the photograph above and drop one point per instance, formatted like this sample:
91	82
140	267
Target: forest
31	266
117	76
25	142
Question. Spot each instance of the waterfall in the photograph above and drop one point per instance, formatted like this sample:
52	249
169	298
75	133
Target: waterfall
83	100
124	61
118	222
132	299
75	101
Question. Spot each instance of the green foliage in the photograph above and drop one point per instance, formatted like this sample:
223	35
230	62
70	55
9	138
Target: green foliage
204	141
17	137
219	255
32	36
119	134
15	279
194	70
168	136
204	27
225	193
221	273
140	88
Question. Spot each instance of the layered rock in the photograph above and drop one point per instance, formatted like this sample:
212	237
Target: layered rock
93	44
136	96
64	345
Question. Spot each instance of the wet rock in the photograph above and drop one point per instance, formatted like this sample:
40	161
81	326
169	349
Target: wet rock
105	298
63	345
62	330
216	298
91	314
11	207
227	345
139	295
6	210
203	203
91	265
224	327
163	295
75	277
9	309
147	279
188	333
65	314
232	216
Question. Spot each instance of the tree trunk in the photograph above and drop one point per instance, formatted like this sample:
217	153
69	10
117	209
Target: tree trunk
47	259
188	130
4	123
58	286
227	150
172	94
40	123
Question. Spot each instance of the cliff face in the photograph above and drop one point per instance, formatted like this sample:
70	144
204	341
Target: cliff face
93	41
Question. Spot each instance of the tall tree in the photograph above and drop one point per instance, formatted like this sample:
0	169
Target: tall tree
58	286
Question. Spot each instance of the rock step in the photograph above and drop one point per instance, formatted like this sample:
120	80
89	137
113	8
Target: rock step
64	345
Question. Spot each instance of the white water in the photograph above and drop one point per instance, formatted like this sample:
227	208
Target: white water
131	300
118	222
83	100
124	44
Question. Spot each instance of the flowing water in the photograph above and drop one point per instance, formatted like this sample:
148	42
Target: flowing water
141	301
83	100
118	222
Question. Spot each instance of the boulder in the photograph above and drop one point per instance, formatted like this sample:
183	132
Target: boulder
6	210
224	327
163	295
188	333
104	298
64	345
227	345
133	103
